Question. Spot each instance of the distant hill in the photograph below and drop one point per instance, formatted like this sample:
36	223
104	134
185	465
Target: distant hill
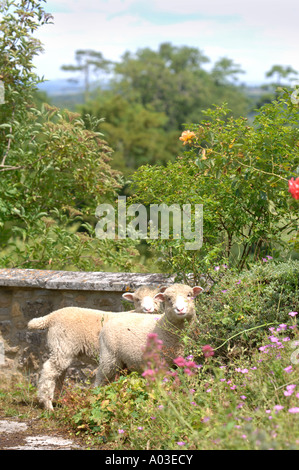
61	86
68	93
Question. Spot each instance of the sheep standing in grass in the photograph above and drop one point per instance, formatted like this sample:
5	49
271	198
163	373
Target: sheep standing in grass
123	338
74	332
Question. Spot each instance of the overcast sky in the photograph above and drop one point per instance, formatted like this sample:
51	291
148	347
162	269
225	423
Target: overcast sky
256	34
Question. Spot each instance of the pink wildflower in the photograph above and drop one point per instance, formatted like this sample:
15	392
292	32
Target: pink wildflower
243	371
294	410
264	349
278	407
273	339
208	351
288	369
180	361
293	314
282	326
188	371
289	391
205	420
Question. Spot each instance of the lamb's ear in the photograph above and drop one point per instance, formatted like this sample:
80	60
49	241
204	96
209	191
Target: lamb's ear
197	290
162	288
129	296
160	297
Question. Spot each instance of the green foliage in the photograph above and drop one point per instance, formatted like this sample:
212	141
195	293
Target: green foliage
65	242
18	47
240	174
247	403
151	93
134	131
53	168
172	80
263	295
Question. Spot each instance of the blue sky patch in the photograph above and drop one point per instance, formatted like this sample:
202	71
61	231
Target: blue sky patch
147	12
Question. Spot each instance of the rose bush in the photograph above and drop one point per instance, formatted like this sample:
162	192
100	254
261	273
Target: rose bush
239	172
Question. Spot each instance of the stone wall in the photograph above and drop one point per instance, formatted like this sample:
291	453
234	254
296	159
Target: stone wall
30	293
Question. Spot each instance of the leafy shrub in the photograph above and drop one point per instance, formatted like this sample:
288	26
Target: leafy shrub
55	167
263	295
239	172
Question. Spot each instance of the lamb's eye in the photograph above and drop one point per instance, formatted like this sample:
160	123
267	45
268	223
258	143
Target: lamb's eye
189	295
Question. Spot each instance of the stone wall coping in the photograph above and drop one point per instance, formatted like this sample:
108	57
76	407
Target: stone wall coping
80	280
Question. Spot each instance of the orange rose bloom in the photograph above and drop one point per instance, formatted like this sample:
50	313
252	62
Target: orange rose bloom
187	136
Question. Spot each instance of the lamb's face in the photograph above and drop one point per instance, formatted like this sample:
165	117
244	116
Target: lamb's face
143	300
145	304
179	300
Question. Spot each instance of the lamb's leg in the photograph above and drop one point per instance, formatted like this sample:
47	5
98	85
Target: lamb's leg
109	365
52	370
59	383
104	375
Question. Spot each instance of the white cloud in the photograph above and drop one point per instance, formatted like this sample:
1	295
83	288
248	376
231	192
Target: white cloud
255	34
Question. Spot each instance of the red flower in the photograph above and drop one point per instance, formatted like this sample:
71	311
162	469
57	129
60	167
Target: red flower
294	187
208	350
180	361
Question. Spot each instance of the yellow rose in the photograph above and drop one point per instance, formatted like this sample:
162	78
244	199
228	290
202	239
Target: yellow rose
187	137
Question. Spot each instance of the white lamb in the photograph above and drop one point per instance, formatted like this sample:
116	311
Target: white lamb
123	338
74	332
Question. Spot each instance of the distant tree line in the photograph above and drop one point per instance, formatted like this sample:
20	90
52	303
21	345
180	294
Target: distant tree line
149	95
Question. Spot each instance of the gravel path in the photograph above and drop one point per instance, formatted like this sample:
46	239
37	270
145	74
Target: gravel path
20	435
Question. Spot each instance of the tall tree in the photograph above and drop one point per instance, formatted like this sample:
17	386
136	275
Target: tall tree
281	73
88	62
226	71
173	80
